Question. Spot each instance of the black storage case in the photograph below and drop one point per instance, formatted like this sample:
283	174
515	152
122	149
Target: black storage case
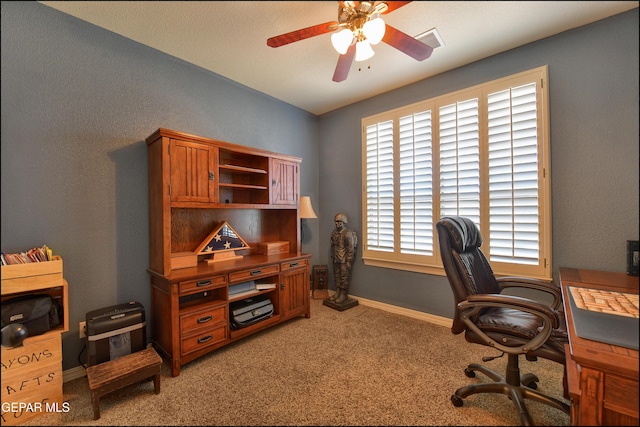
109	327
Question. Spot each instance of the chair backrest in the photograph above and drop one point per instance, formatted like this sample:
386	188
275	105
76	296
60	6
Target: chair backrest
467	268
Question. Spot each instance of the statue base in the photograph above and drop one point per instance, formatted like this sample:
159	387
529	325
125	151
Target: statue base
349	303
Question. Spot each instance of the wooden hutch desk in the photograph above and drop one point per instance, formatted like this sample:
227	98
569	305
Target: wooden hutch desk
602	378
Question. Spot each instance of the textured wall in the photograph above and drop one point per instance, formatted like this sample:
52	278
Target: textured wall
593	90
77	104
78	101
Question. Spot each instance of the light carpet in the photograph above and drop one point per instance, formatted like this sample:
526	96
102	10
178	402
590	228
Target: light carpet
362	366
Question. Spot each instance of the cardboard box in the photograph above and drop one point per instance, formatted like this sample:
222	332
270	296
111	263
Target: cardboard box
183	260
273	248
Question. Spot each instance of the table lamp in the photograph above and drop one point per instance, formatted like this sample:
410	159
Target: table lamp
306	211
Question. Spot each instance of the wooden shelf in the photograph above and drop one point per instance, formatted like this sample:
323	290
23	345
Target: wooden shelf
195	184
242	169
195	303
241	333
245	186
19	379
250	294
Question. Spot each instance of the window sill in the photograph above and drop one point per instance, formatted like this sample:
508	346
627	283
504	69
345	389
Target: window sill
404	266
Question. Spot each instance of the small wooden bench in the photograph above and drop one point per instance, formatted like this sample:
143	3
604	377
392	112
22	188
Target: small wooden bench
110	376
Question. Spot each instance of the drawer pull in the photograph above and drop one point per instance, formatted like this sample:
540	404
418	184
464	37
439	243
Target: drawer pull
204	319
293	264
256	272
203	283
204	339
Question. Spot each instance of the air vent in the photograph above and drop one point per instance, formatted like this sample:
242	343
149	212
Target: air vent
431	37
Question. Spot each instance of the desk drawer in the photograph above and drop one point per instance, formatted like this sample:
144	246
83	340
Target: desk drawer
621	395
202	319
294	264
254	273
193	286
204	339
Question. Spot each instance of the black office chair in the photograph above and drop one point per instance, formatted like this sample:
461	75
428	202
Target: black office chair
511	324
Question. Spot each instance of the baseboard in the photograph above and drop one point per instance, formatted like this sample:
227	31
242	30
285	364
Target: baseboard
80	371
436	320
73	374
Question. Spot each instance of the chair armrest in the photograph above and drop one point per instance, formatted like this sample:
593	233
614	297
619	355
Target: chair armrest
548	287
475	303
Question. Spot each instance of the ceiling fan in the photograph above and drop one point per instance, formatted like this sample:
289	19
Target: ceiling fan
358	27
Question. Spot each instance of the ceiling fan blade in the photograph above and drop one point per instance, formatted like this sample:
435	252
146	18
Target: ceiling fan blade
344	64
301	34
407	44
393	5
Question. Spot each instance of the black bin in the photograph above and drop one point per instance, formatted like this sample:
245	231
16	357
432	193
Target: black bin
115	331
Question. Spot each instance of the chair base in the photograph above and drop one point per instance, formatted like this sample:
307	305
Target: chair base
517	388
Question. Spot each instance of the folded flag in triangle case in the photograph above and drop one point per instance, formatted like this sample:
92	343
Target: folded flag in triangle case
222	239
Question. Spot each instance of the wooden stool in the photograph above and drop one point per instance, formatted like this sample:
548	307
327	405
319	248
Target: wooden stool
110	376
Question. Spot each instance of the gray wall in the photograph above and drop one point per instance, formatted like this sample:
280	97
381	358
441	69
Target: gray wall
593	90
78	102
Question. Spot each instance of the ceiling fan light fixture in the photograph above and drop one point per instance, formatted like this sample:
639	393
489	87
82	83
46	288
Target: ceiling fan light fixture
363	51
341	40
359	26
374	29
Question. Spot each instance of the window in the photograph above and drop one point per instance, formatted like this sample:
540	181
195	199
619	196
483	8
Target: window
482	153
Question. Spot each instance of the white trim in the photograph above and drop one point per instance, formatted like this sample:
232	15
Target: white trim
436	320
388	241
80	371
73	374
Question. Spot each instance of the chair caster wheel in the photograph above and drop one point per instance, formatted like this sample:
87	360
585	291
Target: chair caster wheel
530	380
468	372
457	402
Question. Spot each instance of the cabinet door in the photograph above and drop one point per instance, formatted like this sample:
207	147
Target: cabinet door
294	292
192	172
284	182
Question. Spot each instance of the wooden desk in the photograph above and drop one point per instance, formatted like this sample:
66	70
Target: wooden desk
602	379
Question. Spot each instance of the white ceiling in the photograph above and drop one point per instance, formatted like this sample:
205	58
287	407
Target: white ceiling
229	38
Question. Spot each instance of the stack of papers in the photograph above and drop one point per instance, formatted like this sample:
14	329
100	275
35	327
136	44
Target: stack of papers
242	288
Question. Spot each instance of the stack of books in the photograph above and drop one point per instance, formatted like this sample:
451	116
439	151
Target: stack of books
33	255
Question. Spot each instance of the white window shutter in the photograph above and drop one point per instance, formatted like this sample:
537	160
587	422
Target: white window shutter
460	160
379	187
416	184
481	153
513	176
